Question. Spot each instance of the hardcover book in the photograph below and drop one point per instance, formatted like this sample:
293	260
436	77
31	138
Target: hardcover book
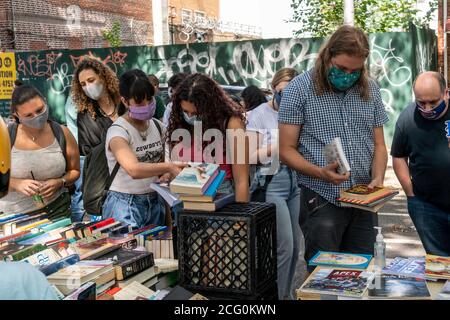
127	263
341	260
194	179
362	193
220	201
343	282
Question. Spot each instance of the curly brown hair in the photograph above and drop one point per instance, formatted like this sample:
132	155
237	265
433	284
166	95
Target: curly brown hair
214	106
80	99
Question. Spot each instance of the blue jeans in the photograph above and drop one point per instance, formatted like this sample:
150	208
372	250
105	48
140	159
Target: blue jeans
136	210
284	192
77	198
432	224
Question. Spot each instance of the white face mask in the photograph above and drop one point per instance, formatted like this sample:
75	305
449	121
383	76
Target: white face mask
170	93
93	90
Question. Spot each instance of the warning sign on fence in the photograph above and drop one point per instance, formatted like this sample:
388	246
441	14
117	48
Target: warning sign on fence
7	75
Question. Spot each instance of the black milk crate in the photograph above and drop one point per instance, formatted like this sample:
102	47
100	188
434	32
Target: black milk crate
229	252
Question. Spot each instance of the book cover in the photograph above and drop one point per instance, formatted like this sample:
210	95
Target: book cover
374	206
220	201
334	152
8	250
82	271
58	265
142	277
362	193
133	291
86	292
12	237
194	179
389	286
437	267
26	252
127	263
412	267
350	283
43	258
210	193
342	260
57	225
163	189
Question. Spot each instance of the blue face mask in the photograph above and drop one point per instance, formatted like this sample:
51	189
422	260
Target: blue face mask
341	80
190	120
434	113
277	96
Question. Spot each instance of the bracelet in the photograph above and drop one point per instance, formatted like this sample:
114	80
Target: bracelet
64	182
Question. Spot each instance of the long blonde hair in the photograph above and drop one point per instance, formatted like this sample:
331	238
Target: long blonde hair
346	40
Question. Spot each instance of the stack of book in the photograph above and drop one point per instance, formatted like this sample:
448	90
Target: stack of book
361	197
86	260
197	187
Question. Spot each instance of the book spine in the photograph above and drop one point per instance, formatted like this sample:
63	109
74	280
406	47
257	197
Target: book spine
134	267
19	255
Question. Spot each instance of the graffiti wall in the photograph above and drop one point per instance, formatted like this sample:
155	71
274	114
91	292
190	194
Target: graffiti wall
396	58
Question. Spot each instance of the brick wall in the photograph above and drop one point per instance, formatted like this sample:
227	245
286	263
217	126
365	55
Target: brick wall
58	24
441	30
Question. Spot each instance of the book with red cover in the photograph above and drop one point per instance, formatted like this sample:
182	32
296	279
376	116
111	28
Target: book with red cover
14	236
101	224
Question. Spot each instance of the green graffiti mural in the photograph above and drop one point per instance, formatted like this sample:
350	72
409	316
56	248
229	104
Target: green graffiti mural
395	60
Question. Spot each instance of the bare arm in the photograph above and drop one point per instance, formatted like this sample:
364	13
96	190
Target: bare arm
240	171
380	159
73	158
135	169
401	170
289	155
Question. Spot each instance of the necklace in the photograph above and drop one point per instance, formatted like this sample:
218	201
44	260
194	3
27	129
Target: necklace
144	134
108	115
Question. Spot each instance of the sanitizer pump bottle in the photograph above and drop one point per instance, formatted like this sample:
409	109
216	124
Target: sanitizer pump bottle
380	251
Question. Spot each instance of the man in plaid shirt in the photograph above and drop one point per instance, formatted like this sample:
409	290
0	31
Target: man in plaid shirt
335	99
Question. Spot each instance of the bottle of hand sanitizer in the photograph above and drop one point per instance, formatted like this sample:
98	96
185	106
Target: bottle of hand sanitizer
380	251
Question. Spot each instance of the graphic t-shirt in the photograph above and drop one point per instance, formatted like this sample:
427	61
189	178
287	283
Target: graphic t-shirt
426	144
148	150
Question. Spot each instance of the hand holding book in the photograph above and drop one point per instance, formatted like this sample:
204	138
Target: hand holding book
330	174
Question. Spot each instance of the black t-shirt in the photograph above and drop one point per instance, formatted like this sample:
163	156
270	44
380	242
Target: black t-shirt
427	146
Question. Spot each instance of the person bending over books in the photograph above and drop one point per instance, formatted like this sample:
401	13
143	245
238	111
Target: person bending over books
23	281
335	99
41	169
200	98
135	143
280	187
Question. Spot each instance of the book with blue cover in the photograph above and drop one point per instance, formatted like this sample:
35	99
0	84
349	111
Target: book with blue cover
54	267
342	260
194	179
210	193
413	267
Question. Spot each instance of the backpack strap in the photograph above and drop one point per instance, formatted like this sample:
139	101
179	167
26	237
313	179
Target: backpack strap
58	132
158	126
12	129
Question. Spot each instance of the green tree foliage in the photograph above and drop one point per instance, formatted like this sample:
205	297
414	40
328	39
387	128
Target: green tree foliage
113	35
322	17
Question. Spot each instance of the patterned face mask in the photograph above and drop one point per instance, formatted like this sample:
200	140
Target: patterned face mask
341	80
434	113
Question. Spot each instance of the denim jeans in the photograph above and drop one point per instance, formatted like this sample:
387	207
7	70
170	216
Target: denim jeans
327	227
136	210
283	191
77	198
432	224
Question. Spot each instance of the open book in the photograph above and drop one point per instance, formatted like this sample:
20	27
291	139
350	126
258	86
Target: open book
334	152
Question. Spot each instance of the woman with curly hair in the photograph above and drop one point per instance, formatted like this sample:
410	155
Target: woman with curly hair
199	98
95	93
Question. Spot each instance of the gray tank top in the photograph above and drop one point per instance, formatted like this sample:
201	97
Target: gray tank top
46	163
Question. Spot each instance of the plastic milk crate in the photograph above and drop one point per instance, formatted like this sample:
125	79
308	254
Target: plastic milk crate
230	253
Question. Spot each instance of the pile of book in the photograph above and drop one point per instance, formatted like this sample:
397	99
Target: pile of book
437	267
196	186
361	197
87	260
402	279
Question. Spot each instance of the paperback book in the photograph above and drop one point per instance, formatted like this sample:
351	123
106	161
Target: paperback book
389	286
410	267
341	260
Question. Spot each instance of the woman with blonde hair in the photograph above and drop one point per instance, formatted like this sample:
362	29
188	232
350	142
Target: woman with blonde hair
95	93
278	182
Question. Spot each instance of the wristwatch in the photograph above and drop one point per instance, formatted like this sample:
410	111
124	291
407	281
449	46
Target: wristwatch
64	182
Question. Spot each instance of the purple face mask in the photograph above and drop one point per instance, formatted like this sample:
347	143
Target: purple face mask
142	112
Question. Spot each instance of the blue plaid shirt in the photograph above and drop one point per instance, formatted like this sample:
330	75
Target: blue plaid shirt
323	118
